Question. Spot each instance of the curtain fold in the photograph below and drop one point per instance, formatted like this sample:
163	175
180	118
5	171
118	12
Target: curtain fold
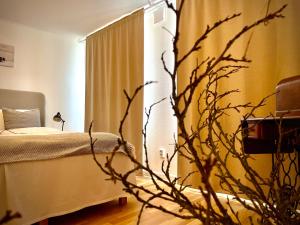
115	62
274	51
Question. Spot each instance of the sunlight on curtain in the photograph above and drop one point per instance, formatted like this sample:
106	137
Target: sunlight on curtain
114	62
274	51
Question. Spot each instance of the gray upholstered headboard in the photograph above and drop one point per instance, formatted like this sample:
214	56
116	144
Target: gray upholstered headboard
23	100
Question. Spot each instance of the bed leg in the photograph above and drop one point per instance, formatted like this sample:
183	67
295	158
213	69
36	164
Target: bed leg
43	222
122	201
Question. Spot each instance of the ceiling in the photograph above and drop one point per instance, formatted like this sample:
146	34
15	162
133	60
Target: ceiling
79	17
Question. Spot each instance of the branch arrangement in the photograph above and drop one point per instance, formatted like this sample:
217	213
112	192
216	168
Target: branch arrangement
207	144
9	216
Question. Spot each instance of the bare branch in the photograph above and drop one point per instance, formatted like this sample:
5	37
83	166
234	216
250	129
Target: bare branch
207	145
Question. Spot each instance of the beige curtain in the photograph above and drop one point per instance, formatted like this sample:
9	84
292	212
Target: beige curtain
114	62
274	50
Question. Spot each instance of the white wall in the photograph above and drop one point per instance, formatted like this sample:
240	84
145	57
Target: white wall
163	126
49	63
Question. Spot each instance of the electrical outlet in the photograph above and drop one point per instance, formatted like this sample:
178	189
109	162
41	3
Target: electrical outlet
162	152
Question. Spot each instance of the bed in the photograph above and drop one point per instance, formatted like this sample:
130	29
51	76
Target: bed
40	189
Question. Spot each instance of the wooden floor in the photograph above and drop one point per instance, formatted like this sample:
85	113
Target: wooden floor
112	214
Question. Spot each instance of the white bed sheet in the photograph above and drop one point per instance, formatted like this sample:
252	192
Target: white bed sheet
42	189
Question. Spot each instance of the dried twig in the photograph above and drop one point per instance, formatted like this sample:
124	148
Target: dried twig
202	144
9	216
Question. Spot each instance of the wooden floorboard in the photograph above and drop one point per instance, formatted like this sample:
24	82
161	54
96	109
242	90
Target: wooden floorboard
112	214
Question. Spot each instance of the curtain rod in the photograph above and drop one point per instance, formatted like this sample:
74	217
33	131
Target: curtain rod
146	7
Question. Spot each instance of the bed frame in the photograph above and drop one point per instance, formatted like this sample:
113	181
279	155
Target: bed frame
29	100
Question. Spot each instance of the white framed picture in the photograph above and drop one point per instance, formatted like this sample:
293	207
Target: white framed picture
7	53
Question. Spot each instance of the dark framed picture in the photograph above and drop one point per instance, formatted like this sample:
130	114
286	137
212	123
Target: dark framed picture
7	55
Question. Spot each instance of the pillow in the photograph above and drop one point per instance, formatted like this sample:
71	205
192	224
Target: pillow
1	121
19	119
